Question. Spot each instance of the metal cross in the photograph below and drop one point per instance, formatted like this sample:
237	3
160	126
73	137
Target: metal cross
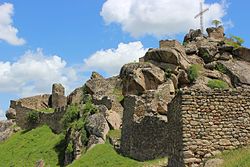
201	15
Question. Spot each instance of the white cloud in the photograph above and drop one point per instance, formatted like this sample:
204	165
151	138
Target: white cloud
34	73
2	115
159	17
8	33
111	60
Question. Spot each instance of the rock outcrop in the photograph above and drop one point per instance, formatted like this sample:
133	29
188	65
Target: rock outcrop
7	128
216	33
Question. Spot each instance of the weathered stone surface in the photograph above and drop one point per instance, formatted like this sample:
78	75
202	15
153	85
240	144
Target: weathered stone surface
76	96
193	35
242	53
11	114
216	33
205	123
97	125
183	78
105	91
194	59
57	98
93	141
214	162
175	56
7	128
145	124
139	77
114	119
169	44
239	71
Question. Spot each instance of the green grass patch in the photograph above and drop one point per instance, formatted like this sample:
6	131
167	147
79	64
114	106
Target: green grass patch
236	158
115	133
221	68
105	156
216	83
47	110
26	148
118	93
194	72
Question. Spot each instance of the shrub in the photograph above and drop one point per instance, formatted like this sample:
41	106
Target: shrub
72	114
235	41
33	117
168	72
89	107
194	72
69	148
216	23
216	83
221	68
118	93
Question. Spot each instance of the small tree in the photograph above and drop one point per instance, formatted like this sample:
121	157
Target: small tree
216	23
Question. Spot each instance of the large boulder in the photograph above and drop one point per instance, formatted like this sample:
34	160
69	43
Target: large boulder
76	96
139	77
114	120
238	72
193	35
106	92
93	141
216	162
97	125
7	128
173	54
216	33
242	53
57	98
11	113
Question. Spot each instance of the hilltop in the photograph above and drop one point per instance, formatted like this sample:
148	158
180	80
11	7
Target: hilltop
188	102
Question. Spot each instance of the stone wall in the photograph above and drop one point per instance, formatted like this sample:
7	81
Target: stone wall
50	119
144	132
35	102
207	123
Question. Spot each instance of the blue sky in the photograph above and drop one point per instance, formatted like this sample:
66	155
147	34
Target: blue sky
44	41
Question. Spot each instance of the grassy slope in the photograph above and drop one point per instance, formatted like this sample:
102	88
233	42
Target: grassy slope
26	148
237	158
104	156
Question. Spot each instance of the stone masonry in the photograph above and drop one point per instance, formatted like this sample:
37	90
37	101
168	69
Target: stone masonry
204	123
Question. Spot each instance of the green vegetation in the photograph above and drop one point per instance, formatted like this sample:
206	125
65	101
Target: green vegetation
69	148
235	41
115	133
33	117
216	23
26	148
216	83
168	72
236	158
46	110
221	68
194	72
118	93
105	156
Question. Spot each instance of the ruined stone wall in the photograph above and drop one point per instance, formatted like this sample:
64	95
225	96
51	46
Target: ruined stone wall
35	102
50	119
208	123
144	134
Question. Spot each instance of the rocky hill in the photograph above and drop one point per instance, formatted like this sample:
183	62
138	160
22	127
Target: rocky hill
188	102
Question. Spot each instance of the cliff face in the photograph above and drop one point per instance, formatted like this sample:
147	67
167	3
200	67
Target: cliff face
146	100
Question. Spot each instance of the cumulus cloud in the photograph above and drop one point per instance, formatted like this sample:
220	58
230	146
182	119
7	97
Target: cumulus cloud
34	73
160	17
8	33
111	60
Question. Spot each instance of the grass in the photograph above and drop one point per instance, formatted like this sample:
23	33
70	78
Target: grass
216	83
236	158
105	156
26	148
118	93
194	72
47	110
115	133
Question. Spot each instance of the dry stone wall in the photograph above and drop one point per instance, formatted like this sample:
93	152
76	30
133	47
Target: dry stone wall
50	119
207	123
